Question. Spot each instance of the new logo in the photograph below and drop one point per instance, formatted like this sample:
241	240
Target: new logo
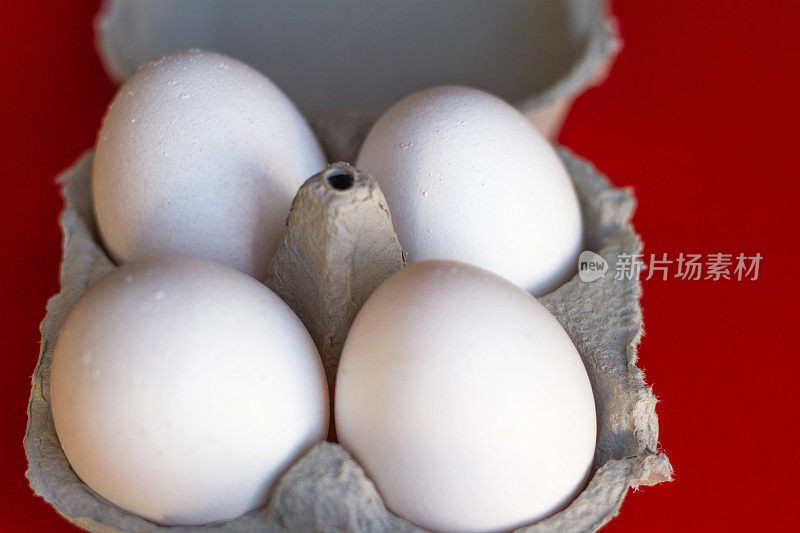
591	266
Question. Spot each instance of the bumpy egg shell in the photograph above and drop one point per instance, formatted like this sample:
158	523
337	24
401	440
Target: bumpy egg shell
199	154
182	388
465	400
469	178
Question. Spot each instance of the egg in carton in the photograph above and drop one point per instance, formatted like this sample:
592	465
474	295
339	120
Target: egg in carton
327	489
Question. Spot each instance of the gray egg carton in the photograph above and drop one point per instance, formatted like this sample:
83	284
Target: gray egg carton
352	59
326	489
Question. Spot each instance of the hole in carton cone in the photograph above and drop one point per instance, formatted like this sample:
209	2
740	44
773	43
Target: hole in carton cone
340	182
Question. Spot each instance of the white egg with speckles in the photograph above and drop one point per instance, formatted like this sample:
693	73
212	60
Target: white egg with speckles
182	389
199	154
465	401
468	178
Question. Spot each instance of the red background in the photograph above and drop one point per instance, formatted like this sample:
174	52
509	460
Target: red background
699	115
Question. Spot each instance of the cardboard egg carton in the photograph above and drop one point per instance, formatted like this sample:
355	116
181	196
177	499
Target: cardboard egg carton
326	489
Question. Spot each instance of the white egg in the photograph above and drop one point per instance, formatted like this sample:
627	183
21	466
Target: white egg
468	178
464	400
181	389
201	155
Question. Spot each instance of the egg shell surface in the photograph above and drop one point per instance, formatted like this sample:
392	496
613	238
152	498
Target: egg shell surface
465	401
181	389
469	178
199	154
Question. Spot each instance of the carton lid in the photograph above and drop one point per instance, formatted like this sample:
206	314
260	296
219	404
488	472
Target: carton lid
347	57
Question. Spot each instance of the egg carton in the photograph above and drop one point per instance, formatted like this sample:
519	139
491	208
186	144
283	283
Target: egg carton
326	489
537	55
